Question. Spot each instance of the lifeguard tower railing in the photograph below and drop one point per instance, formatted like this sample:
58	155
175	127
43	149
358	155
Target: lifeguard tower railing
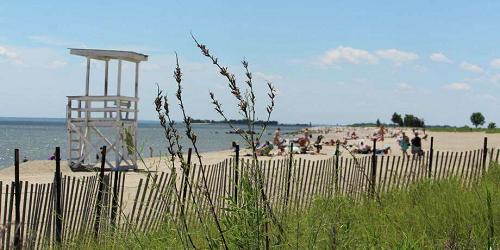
93	121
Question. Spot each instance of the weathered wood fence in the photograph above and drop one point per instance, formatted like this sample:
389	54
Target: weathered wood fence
69	209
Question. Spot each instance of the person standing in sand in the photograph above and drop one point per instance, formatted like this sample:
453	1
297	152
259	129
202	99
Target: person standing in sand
404	143
416	145
381	133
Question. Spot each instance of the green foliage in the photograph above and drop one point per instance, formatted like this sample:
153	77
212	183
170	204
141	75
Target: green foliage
413	121
492	125
244	219
463	129
378	123
477	119
430	215
397	119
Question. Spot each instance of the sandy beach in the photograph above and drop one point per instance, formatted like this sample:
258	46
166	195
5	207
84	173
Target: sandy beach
42	171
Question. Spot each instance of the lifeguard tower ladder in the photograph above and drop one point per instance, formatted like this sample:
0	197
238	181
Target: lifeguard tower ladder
111	120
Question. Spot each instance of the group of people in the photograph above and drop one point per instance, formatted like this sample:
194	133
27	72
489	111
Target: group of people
415	143
363	148
302	144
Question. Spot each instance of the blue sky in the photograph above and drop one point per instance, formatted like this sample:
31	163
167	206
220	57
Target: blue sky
332	62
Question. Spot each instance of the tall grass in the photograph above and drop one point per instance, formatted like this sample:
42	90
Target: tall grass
430	215
464	129
439	215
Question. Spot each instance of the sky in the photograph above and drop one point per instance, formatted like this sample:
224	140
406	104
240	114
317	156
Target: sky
333	62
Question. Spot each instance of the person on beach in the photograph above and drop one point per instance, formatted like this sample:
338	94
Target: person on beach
257	143
404	143
383	151
307	137
416	145
52	157
264	149
278	142
317	144
354	136
381	133
363	148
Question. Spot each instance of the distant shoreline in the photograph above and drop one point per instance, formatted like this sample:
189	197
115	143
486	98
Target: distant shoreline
48	121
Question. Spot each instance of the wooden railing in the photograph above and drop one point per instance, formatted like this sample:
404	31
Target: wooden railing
101	108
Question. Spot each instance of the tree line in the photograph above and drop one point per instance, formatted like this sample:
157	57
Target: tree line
477	119
408	120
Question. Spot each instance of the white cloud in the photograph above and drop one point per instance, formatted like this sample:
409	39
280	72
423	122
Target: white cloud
458	86
495	63
397	56
404	86
10	55
267	77
440	57
343	54
471	67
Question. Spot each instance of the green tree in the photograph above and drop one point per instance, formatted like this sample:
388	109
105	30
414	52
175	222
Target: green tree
397	119
413	121
492	125
378	123
477	119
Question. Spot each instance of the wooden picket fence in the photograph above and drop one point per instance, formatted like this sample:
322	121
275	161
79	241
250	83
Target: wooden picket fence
74	208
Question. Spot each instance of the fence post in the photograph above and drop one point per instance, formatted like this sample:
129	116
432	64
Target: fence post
337	154
17	235
186	178
99	193
59	212
290	164
374	169
114	205
236	172
485	153
431	156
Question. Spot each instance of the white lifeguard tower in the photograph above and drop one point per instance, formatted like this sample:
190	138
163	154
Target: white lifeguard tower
97	120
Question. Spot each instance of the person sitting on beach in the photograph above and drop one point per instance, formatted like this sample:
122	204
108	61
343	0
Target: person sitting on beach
404	143
234	145
416	145
264	149
307	137
303	145
257	143
363	148
383	151
52	157
280	144
354	136
317	144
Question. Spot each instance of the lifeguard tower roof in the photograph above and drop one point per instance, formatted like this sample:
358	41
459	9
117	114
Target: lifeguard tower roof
105	55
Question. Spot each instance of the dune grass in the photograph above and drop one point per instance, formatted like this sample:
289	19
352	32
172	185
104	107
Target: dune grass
464	129
430	215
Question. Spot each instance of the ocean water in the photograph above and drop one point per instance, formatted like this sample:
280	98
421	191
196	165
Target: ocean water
37	138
